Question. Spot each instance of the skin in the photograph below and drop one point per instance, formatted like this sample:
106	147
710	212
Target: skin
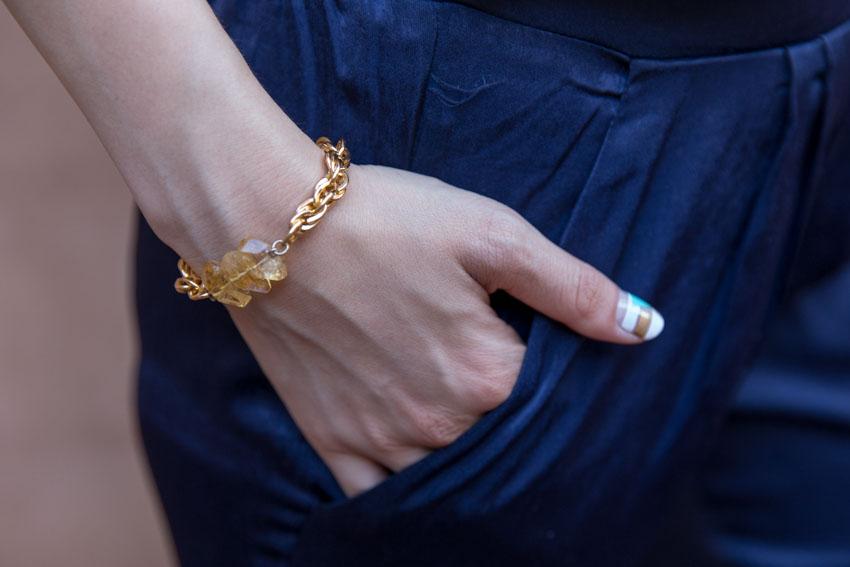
381	341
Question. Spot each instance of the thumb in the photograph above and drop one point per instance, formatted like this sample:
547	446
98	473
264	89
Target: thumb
512	255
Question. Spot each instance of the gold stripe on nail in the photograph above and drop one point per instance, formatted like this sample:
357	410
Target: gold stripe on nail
644	318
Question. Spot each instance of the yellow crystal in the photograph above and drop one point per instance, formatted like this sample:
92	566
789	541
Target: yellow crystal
250	268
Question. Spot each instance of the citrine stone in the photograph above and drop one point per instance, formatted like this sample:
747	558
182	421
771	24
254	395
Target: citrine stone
250	268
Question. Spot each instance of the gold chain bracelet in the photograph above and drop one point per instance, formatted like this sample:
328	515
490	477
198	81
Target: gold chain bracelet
255	264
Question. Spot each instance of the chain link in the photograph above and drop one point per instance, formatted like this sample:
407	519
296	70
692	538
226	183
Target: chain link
327	190
189	282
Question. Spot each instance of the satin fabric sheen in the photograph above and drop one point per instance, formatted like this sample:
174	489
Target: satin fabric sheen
717	187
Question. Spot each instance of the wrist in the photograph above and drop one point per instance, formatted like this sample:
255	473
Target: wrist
248	183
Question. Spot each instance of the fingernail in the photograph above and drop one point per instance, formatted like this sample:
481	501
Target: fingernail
638	317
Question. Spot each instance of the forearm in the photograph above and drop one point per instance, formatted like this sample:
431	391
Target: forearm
201	144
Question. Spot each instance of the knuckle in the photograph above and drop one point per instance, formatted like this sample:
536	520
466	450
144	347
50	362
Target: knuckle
492	375
378	438
436	428
487	393
589	291
504	237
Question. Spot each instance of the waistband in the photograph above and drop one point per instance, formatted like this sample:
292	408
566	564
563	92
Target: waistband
676	28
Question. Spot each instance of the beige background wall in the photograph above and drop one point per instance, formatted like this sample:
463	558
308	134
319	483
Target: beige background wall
74	487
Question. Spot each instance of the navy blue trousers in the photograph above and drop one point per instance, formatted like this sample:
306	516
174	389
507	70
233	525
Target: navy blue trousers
717	186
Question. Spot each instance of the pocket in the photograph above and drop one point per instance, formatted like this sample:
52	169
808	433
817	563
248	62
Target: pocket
410	482
454	467
485	467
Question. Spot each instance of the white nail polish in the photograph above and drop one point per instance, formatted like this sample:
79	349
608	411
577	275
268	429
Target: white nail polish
638	317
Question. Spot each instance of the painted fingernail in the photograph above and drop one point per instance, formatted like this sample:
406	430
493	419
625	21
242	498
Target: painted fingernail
638	317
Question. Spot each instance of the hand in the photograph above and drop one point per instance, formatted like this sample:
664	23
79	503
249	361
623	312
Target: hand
381	340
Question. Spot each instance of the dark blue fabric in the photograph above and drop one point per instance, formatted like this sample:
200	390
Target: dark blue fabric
676	28
716	187
774	492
